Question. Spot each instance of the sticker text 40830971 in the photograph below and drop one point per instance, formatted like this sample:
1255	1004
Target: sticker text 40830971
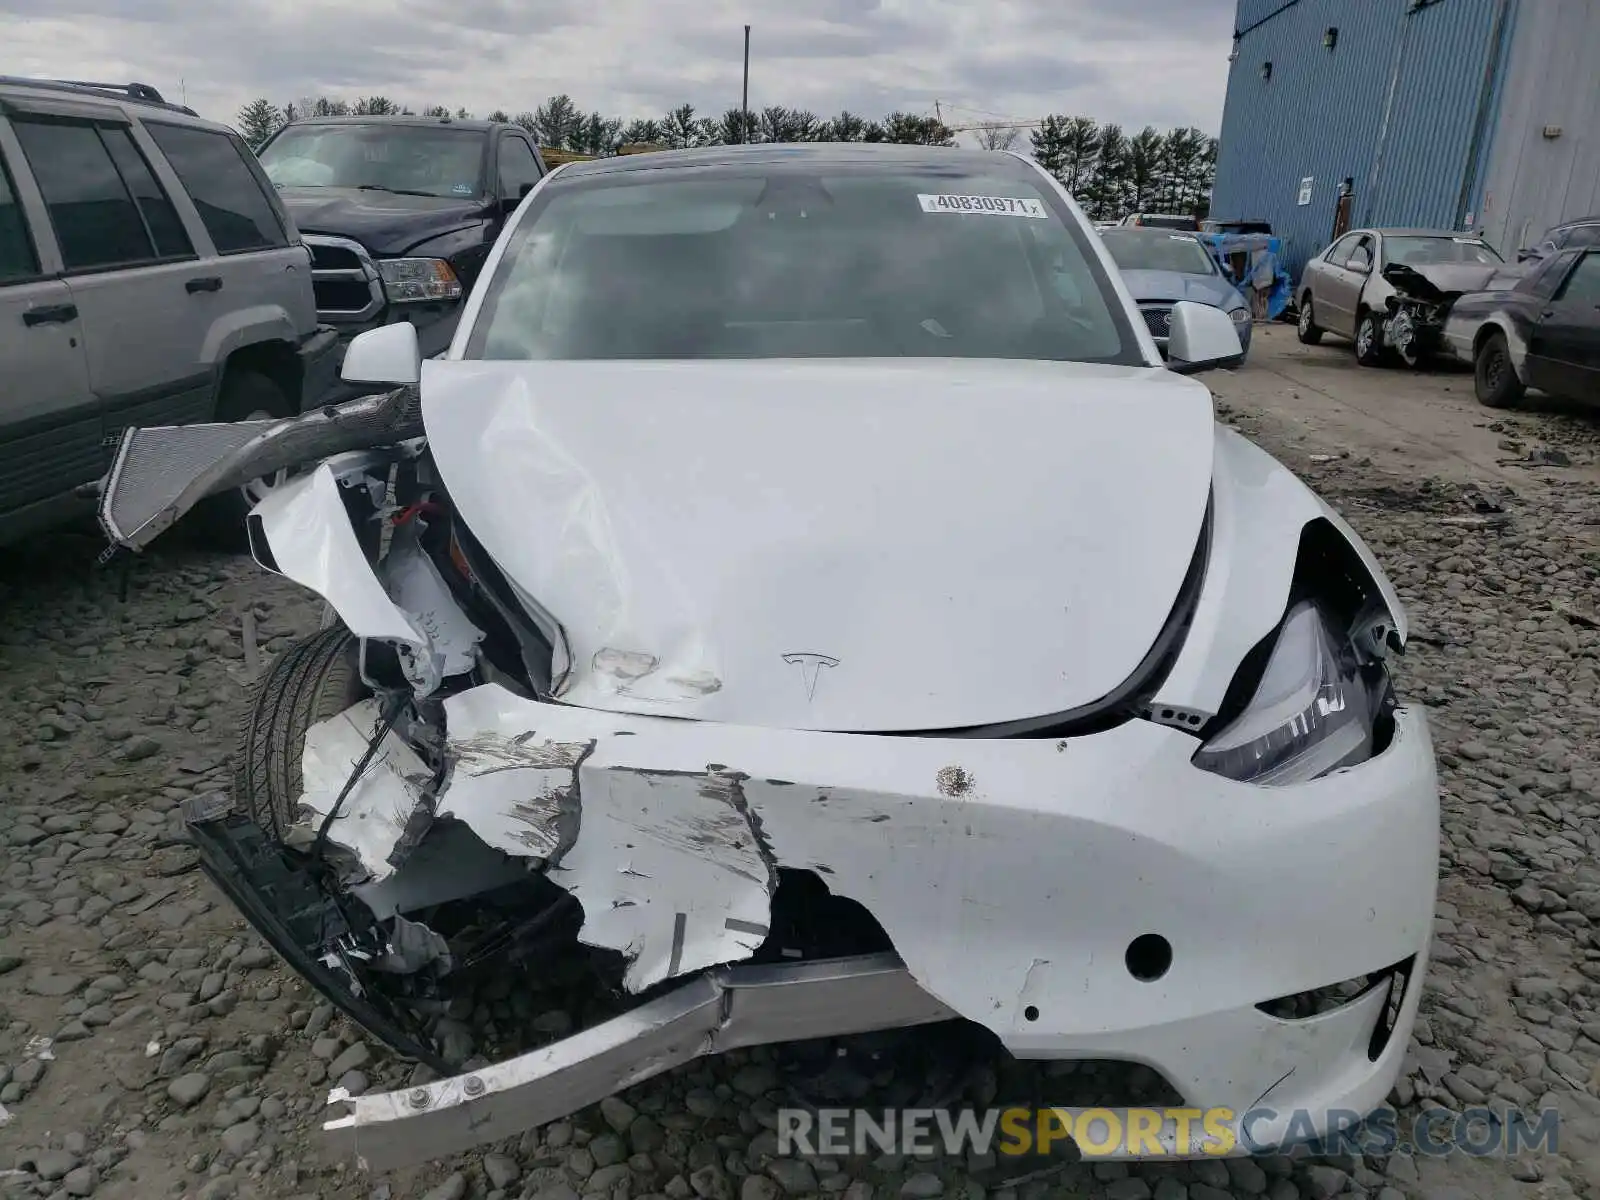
994	206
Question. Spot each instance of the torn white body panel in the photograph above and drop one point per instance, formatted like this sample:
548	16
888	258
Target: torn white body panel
1013	878
374	813
1259	509
673	877
308	532
939	530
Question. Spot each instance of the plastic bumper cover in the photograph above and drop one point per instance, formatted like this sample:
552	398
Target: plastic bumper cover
1011	905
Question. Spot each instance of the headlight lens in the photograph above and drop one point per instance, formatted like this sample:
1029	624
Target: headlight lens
1311	713
409	280
1241	316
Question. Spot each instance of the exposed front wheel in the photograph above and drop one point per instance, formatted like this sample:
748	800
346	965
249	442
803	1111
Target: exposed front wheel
1307	329
1494	376
1369	340
316	678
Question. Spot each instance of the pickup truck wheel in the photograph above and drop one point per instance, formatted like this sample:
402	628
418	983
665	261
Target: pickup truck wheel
1307	329
1369	340
1494	377
313	680
246	396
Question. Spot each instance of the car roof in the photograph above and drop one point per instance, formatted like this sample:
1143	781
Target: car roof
139	95
1411	231
388	119
761	153
1573	224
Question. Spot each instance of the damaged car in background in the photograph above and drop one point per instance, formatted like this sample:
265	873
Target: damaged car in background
1390	290
788	613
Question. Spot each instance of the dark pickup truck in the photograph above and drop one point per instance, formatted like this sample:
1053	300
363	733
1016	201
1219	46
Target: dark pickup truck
399	213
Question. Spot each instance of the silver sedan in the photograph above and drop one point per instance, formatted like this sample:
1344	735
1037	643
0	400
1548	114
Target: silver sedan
1343	289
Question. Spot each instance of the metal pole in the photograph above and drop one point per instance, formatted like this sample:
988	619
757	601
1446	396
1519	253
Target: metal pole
744	103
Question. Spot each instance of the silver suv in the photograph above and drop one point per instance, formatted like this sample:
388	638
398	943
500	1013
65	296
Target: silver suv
148	276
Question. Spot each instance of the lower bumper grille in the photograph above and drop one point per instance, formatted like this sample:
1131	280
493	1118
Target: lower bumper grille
1158	319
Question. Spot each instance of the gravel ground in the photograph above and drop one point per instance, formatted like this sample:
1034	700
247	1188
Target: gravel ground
151	1045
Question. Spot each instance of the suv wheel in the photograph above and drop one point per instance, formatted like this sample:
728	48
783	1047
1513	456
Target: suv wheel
246	396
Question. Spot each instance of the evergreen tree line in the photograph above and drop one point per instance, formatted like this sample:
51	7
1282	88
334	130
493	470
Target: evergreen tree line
1110	172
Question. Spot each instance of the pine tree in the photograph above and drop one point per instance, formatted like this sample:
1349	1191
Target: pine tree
257	121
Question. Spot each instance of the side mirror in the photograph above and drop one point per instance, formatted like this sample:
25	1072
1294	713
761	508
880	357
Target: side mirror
510	203
1202	339
388	355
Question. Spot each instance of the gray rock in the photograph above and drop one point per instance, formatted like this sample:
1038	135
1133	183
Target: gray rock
353	1059
758	1187
188	1090
607	1150
755	1079
617	1113
925	1185
79	1182
557	1191
1169	1187
54	1164
793	1175
501	1170
1323	1182
711	1183
453	1188
238	1140
46	983
1131	1188
645	1135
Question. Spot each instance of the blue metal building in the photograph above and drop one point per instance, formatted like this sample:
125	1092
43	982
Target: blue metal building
1455	114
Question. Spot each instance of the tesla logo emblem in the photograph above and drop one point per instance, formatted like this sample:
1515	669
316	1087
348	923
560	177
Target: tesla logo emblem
810	667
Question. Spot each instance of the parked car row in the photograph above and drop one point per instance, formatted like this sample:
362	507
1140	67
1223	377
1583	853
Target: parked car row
1414	294
154	271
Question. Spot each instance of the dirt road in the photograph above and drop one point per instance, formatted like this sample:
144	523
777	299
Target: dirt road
150	1044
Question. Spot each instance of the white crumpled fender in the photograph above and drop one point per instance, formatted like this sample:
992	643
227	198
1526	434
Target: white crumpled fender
1259	508
404	601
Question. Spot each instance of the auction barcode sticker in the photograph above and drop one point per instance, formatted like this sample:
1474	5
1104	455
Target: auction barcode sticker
998	206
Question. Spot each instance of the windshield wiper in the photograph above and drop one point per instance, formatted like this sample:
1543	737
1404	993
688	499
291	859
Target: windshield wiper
378	187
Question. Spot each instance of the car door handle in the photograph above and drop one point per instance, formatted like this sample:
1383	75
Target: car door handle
206	283
1549	312
50	314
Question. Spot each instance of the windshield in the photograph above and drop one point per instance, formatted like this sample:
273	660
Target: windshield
801	260
1139	250
1420	251
421	160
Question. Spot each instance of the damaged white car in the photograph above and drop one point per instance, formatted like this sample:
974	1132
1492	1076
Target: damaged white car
803	603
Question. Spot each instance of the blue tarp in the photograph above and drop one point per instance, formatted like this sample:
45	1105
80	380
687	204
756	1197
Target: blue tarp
1264	274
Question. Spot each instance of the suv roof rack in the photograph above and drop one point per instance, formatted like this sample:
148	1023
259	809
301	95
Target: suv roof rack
141	93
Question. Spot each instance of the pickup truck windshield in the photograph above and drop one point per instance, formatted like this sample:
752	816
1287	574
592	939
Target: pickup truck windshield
424	160
815	260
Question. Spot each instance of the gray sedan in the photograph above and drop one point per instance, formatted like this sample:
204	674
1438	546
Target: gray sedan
1162	267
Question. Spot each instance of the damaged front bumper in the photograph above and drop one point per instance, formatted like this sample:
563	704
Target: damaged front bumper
1052	892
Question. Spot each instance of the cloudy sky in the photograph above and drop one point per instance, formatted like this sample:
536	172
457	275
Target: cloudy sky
1158	62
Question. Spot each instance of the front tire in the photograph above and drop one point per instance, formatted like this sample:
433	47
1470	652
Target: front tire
1369	340
1494	377
316	678
1306	328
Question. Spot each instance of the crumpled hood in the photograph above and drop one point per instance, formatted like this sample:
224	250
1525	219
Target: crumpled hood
1449	279
386	224
1172	286
866	546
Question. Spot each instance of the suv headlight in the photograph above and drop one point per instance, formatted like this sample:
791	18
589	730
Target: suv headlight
409	280
1312	712
1241	316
